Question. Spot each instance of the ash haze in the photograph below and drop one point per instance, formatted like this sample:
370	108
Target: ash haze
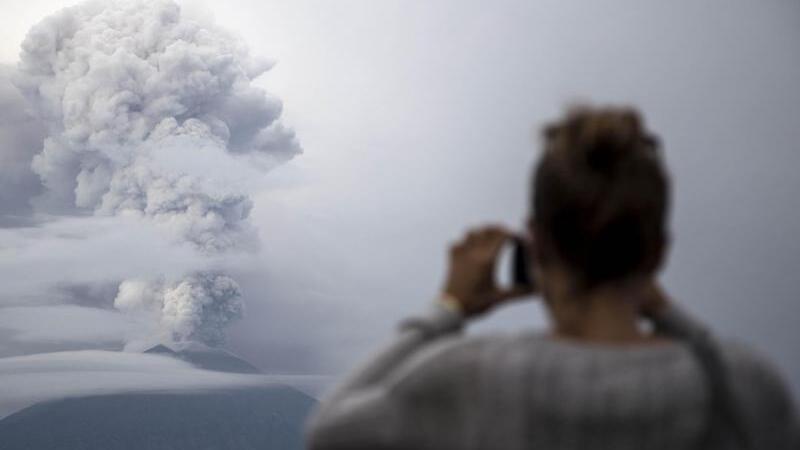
417	120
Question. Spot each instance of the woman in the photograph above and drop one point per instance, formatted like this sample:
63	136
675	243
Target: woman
600	377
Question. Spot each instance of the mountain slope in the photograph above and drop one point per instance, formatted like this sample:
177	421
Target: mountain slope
209	358
241	419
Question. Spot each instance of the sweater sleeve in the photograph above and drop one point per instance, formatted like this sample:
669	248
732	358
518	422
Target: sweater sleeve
769	408
360	412
763	404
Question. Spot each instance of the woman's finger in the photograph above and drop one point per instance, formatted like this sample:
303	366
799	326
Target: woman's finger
472	237
513	293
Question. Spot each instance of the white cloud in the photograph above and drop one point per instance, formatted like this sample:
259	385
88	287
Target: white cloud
66	323
83	250
30	379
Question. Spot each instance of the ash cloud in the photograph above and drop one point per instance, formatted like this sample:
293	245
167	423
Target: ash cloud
140	112
195	308
117	82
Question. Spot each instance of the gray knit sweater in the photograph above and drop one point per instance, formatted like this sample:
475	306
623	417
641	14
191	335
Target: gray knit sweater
433	388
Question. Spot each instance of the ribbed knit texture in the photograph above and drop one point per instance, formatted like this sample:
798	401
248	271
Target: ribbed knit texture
435	389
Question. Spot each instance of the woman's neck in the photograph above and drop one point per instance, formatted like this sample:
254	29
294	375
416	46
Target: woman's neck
604	314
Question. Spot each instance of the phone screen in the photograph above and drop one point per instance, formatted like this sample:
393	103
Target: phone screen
512	268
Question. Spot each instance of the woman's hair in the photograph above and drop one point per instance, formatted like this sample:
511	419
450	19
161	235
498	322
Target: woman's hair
600	195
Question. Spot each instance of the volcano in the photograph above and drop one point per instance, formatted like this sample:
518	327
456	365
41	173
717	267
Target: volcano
205	357
269	416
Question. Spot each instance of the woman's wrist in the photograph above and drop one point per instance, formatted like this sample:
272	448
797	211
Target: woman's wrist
445	315
451	303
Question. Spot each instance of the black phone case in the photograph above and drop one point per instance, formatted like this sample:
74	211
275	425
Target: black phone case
520	265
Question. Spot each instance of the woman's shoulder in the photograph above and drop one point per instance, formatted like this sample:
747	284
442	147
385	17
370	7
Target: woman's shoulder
757	378
507	353
763	395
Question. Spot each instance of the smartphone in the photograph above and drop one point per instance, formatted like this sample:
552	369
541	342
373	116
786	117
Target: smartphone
513	266
521	272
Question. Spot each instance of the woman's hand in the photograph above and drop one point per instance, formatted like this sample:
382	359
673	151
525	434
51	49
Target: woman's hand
470	281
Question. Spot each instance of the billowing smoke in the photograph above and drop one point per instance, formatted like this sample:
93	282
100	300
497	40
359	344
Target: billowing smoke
196	308
138	101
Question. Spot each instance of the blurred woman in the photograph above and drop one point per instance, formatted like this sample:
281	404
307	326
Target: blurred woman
621	367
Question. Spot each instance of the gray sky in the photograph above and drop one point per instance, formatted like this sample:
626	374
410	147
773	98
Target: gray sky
418	119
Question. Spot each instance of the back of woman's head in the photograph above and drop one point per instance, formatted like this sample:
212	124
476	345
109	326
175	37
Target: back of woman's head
600	196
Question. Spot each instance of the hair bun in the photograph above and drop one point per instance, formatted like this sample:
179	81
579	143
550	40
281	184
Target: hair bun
602	138
609	138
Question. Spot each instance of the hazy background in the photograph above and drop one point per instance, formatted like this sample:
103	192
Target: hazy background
419	119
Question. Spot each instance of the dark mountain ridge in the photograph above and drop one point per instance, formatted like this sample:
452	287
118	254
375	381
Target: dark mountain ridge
235	419
208	358
245	418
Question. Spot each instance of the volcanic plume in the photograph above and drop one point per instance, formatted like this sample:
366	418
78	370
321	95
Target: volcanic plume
137	100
